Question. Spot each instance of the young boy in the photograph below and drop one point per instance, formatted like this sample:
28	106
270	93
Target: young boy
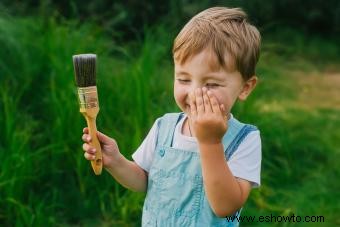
198	166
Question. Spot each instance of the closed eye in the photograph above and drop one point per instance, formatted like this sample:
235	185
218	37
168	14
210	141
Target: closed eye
183	80
212	85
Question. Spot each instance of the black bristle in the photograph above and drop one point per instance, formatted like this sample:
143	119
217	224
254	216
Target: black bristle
85	69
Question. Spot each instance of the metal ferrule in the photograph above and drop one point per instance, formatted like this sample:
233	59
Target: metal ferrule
88	97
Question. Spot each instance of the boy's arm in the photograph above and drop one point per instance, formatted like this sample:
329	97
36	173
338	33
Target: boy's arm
225	193
129	174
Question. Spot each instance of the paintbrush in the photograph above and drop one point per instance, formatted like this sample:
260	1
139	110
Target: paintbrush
85	77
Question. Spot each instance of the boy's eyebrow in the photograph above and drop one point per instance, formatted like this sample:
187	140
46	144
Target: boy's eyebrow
206	77
180	72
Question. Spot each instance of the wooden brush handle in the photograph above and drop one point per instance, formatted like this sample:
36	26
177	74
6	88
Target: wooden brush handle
97	164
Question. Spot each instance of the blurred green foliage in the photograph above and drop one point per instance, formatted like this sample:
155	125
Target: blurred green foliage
127	19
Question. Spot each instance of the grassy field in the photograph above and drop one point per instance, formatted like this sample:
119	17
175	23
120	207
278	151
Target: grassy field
44	179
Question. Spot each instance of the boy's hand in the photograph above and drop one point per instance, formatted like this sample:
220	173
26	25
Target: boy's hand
109	147
207	117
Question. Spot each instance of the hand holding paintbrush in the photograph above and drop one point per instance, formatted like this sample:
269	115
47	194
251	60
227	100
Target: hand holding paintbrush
85	75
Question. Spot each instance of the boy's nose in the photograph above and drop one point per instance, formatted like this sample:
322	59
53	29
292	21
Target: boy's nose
191	93
194	87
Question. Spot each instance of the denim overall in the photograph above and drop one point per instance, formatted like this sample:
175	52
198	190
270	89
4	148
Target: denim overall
175	195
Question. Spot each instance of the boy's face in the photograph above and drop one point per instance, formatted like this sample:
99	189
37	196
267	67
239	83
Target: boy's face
196	73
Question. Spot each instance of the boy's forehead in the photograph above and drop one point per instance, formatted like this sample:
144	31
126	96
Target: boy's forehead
208	58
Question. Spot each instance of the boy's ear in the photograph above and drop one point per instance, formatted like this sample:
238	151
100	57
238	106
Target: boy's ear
248	86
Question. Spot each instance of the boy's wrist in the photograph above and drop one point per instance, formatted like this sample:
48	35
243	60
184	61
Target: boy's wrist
115	163
210	145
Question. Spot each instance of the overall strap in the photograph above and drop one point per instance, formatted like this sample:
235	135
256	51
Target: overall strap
237	131
166	128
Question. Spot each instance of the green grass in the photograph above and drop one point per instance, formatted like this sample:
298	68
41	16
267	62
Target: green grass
44	179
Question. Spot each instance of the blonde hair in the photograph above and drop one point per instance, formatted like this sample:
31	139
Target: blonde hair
233	41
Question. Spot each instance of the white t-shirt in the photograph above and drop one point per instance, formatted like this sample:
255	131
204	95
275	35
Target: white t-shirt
245	163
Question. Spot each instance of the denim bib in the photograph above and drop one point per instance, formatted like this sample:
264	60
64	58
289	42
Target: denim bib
175	195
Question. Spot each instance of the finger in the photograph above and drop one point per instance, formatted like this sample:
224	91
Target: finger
89	156
214	103
86	130
193	108
86	138
199	101
192	97
206	100
188	110
88	149
223	110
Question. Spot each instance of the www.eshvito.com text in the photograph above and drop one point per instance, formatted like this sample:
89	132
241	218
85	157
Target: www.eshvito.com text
278	218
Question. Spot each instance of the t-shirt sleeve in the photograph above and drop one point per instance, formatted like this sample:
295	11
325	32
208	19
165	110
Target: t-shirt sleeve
143	156
245	163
